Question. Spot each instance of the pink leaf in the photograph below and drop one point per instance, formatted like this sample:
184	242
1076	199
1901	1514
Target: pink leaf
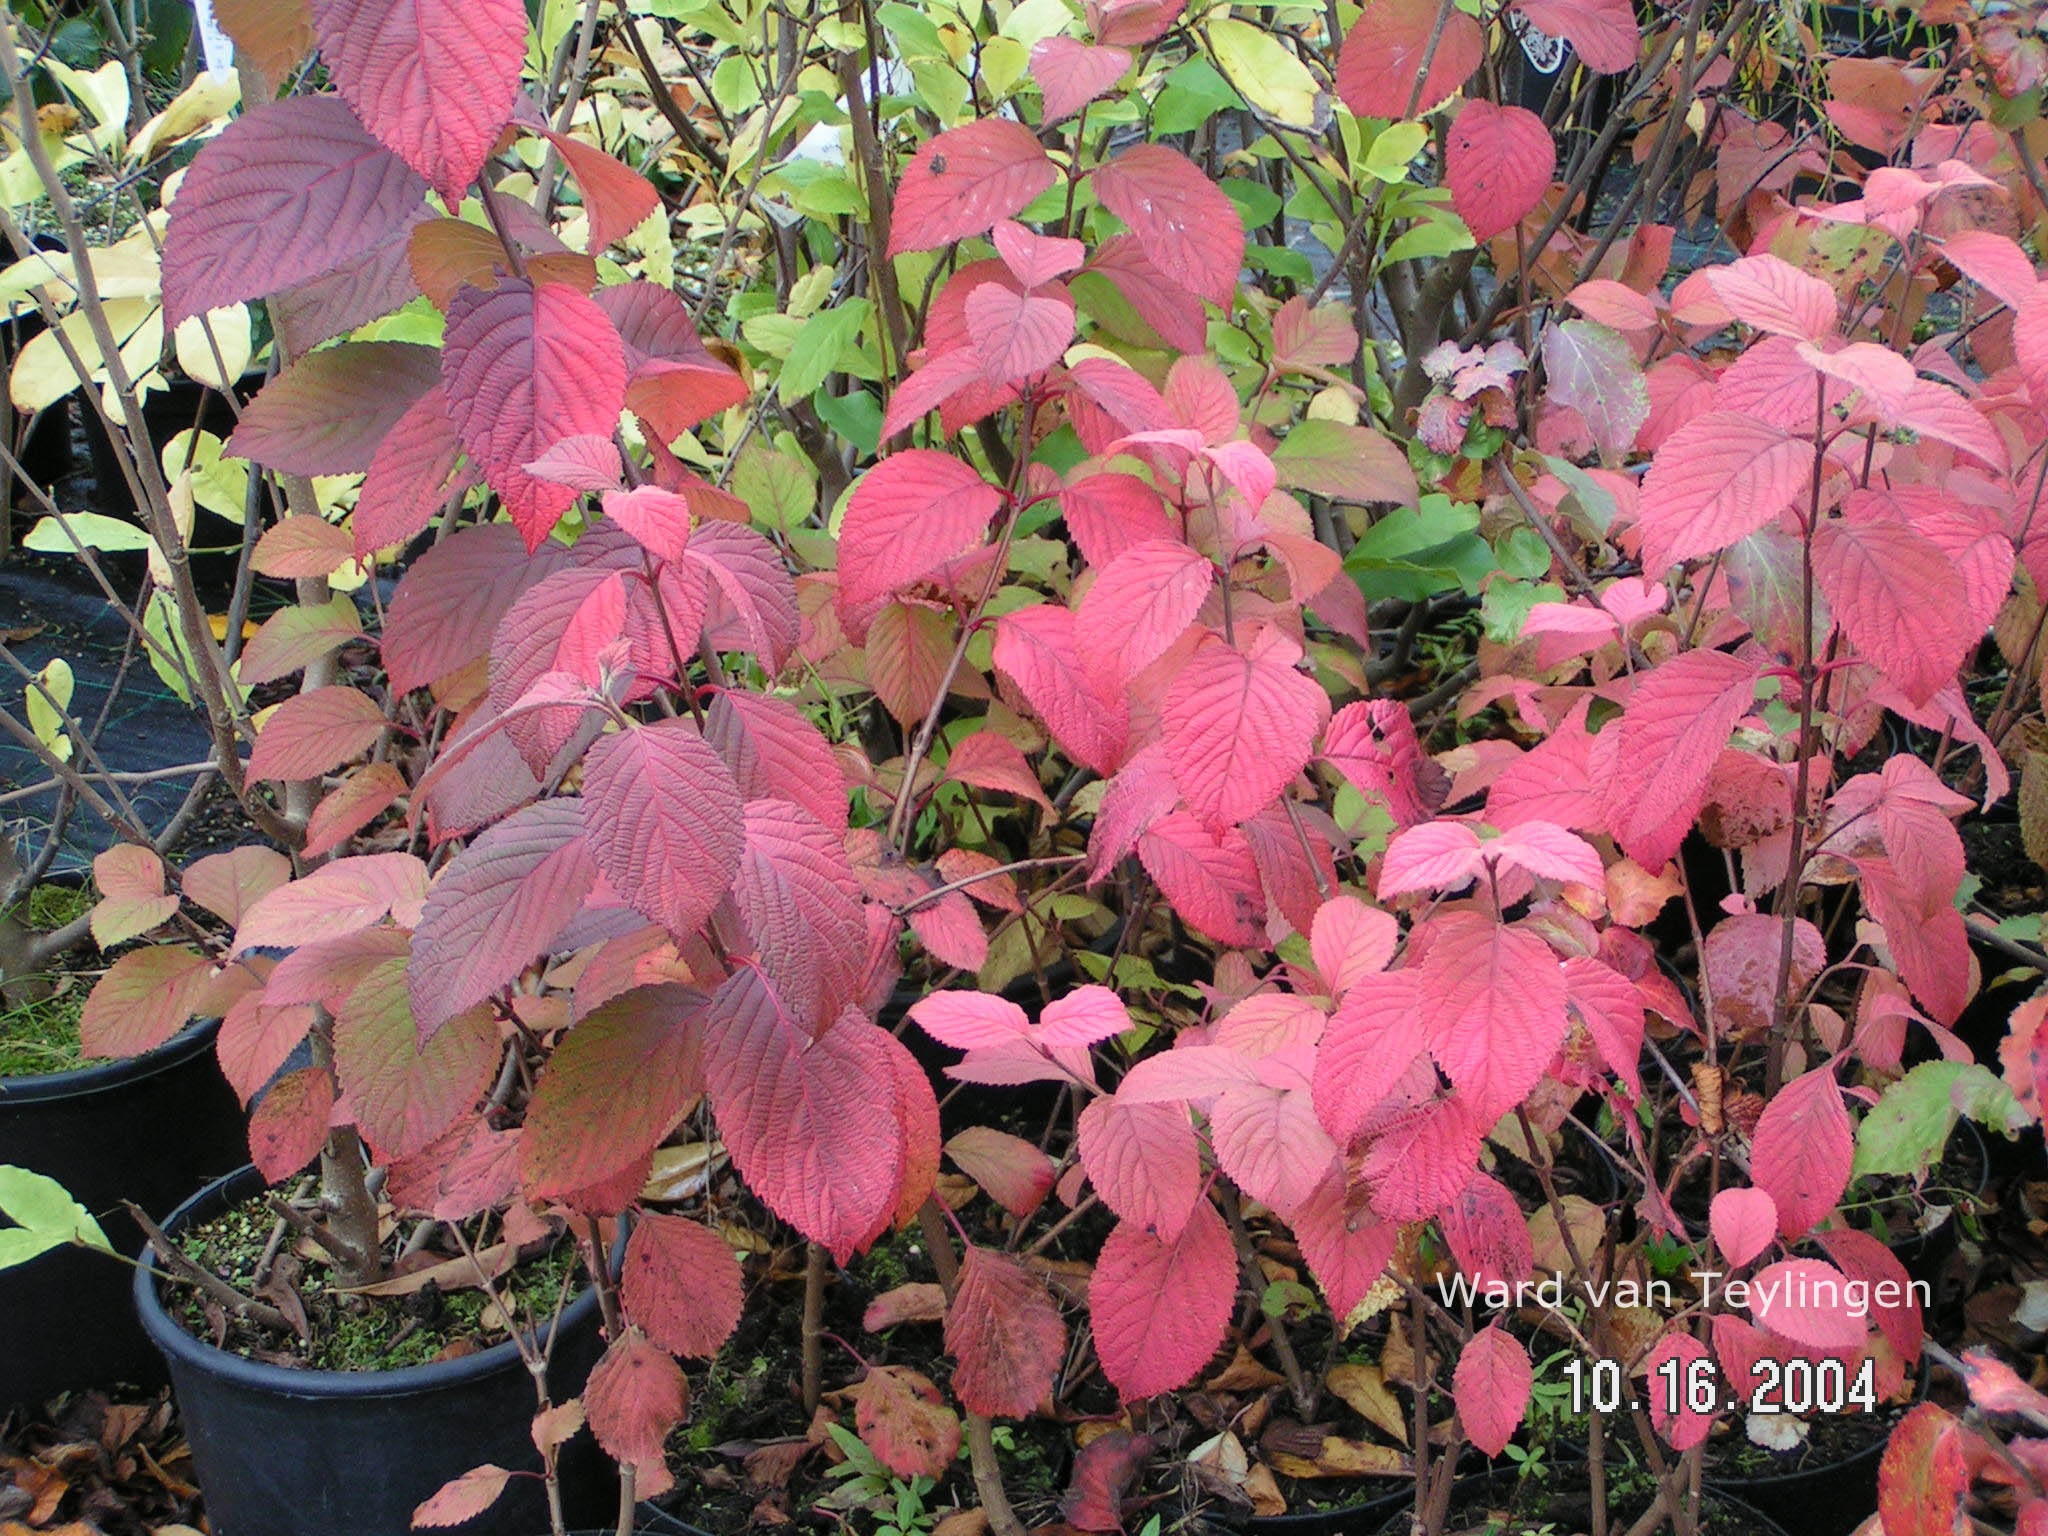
403	1090
962	181
1036	649
1160	1308
1174	314
1802	1150
289	1125
1033	258
635	1396
523	367
291	191
1012	1171
1182	221
1083	1017
1594	371
1994	263
297	636
436	81
970	1021
1005	1335
588	463
658	520
1498	165
775	753
1373	1038
1744	1222
1719	477
1071	74
145	998
991	761
1492	1009
1770	294
1487	1233
1374	745
1438	855
327	413
1350	941
909	515
1491	1388
681	1284
1548	852
229	884
1143	1160
1140	603
663	818
1804	1300
494	905
1603	31
1268	1140
751	602
905	1423
1018	335
1671	733
579	1129
410	478
1897	598
1677	1361
811	1123
1611	1008
1238	727
338	898
1346	1245
256	1039
312	732
799	901
1209	877
1383	53
462	1499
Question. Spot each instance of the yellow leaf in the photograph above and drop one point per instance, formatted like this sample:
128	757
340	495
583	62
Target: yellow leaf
218	360
47	704
202	105
1265	71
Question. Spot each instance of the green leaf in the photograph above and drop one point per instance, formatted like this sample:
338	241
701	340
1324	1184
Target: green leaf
45	717
778	485
1190	95
816	351
1256	202
1396	146
857	417
1911	1123
1432	234
44	1216
95	530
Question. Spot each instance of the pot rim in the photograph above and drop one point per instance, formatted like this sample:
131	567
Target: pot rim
182	1348
98	1076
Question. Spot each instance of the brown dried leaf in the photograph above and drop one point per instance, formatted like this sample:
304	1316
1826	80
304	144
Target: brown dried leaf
1364	1389
1339	1457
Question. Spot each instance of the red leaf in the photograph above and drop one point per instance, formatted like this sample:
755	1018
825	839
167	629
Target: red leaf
1862	1257
1803	1300
1594	371
1926	936
580	1130
811	1124
1492	1009
1487	1233
435	81
1374	745
412	476
524	367
1994	263
991	761
145	998
904	1421
1181	220
681	1284
327	413
1670	735
1716	479
1160	1308
1384	50
615	197
1238	727
1005	1336
663	818
1687	1427
1802	1150
312	732
636	1394
775	753
463	1498
1174	315
1498	165
1491	1387
798	898
256	1039
1924	1478
1018	335
1897	598
451	600
494	906
960	182
658	520
289	1126
1033	258
1070	73
1421	1157
290	191
1035	648
672	379
299	545
1350	941
401	1090
1105	1471
751	601
1143	1160
909	515
1268	1139
1139	604
297	636
1346	1245
1744	1222
1603	31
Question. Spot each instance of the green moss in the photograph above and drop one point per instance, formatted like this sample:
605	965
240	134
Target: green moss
40	1034
359	1333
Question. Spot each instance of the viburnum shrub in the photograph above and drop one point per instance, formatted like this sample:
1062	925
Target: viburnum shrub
575	854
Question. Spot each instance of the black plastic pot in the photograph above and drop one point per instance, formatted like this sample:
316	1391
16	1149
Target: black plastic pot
1827	1500
149	1129
1499	1483
283	1452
